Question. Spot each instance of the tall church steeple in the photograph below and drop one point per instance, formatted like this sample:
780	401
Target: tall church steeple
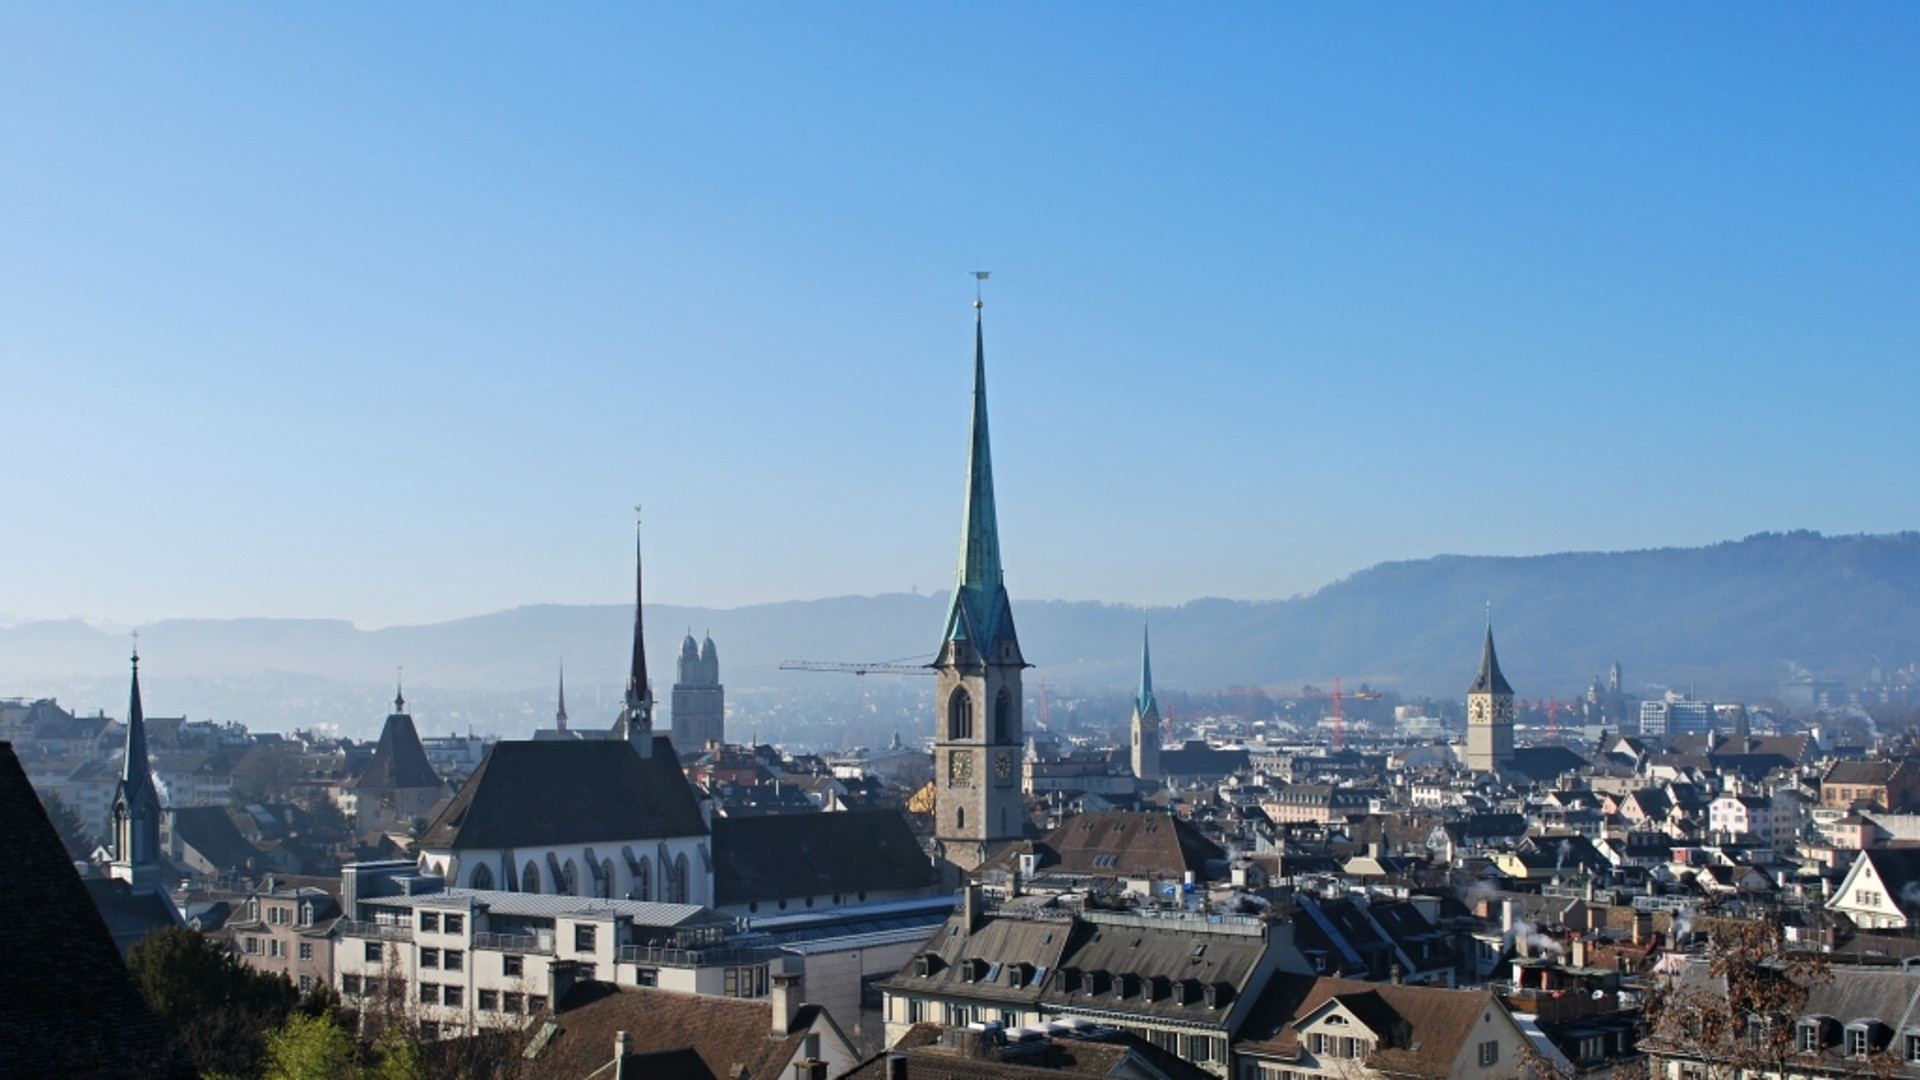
1489	713
136	803
636	719
1146	717
978	698
560	714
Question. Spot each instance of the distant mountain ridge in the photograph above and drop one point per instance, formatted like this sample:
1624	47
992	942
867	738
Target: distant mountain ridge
1733	618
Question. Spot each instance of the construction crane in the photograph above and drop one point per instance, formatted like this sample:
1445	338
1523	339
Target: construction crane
882	667
1339	715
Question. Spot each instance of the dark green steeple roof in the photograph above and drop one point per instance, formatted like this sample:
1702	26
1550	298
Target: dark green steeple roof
1143	700
981	612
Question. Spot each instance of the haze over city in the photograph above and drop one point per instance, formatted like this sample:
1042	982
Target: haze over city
391	316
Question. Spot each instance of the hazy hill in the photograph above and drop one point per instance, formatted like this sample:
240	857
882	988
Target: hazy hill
1734	618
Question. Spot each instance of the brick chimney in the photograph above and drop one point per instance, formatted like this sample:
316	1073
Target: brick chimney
973	908
786	1002
622	1045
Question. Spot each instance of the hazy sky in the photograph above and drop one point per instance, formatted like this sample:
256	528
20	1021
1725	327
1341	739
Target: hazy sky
392	312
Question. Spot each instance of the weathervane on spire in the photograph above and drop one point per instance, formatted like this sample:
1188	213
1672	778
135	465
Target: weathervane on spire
978	277
136	648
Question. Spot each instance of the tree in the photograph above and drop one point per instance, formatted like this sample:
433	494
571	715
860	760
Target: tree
74	834
219	1009
1739	1020
311	1048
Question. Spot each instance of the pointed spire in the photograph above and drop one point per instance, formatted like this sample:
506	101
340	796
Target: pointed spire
1490	681
981	612
399	691
136	769
637	686
1143	700
560	714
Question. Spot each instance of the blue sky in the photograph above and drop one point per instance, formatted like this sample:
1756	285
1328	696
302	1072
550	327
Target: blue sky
392	314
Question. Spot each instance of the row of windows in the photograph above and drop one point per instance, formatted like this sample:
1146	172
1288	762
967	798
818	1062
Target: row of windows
675	880
511	964
1325	1045
960	716
443	923
275	948
444	959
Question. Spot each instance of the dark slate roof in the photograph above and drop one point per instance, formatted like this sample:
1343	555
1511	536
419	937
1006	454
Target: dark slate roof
1102	1052
1197	759
543	794
1122	843
775	856
79	1012
399	761
1544	764
1490	681
210	832
727	1034
129	916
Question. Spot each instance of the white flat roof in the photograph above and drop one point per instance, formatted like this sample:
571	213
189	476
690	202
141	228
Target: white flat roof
542	905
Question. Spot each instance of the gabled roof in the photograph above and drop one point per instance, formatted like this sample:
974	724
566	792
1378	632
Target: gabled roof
74	1010
1872	773
213	836
1123	843
728	1034
544	794
1421	1029
399	761
777	856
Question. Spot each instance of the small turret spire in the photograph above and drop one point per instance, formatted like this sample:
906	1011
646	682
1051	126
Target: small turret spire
1143	700
399	691
560	714
637	685
136	769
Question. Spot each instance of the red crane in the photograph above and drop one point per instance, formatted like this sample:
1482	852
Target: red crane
1339	714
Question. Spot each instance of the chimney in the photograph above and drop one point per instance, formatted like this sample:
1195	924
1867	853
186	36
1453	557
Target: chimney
973	908
622	1045
896	1067
786	1002
809	1070
1506	917
1642	927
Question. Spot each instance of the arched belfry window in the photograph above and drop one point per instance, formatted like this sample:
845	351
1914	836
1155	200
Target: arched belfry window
1003	717
960	715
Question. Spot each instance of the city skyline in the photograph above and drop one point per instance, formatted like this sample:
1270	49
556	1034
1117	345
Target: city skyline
390	317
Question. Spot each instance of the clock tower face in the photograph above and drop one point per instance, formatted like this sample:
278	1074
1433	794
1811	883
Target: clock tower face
1477	711
960	768
1003	765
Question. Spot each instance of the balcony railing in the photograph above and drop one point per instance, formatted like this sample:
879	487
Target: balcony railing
667	956
514	943
384	931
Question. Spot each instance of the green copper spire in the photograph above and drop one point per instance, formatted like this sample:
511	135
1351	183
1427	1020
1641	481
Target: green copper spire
980	612
1143	700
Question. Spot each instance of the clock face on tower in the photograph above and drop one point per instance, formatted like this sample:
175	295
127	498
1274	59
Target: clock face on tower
1003	765
960	768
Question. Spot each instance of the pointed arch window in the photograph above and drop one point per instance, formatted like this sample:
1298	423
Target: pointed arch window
960	715
1003	717
643	879
530	877
605	891
680	881
481	878
569	883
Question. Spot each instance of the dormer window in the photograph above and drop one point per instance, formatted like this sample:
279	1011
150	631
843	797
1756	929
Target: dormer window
1912	1047
1810	1038
1863	1037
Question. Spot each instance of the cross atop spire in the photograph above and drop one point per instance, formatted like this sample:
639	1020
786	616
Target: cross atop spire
399	692
981	612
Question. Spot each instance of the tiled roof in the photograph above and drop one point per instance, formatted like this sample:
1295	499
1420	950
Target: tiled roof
1105	1053
210	832
544	794
729	1034
816	854
1121	843
69	1007
1422	1028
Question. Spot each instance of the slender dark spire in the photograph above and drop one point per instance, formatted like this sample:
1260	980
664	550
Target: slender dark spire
560	715
981	612
136	770
399	691
1490	681
637	686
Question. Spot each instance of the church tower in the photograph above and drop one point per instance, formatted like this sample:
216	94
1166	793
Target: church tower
636	719
136	805
1146	719
1489	715
699	701
977	699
